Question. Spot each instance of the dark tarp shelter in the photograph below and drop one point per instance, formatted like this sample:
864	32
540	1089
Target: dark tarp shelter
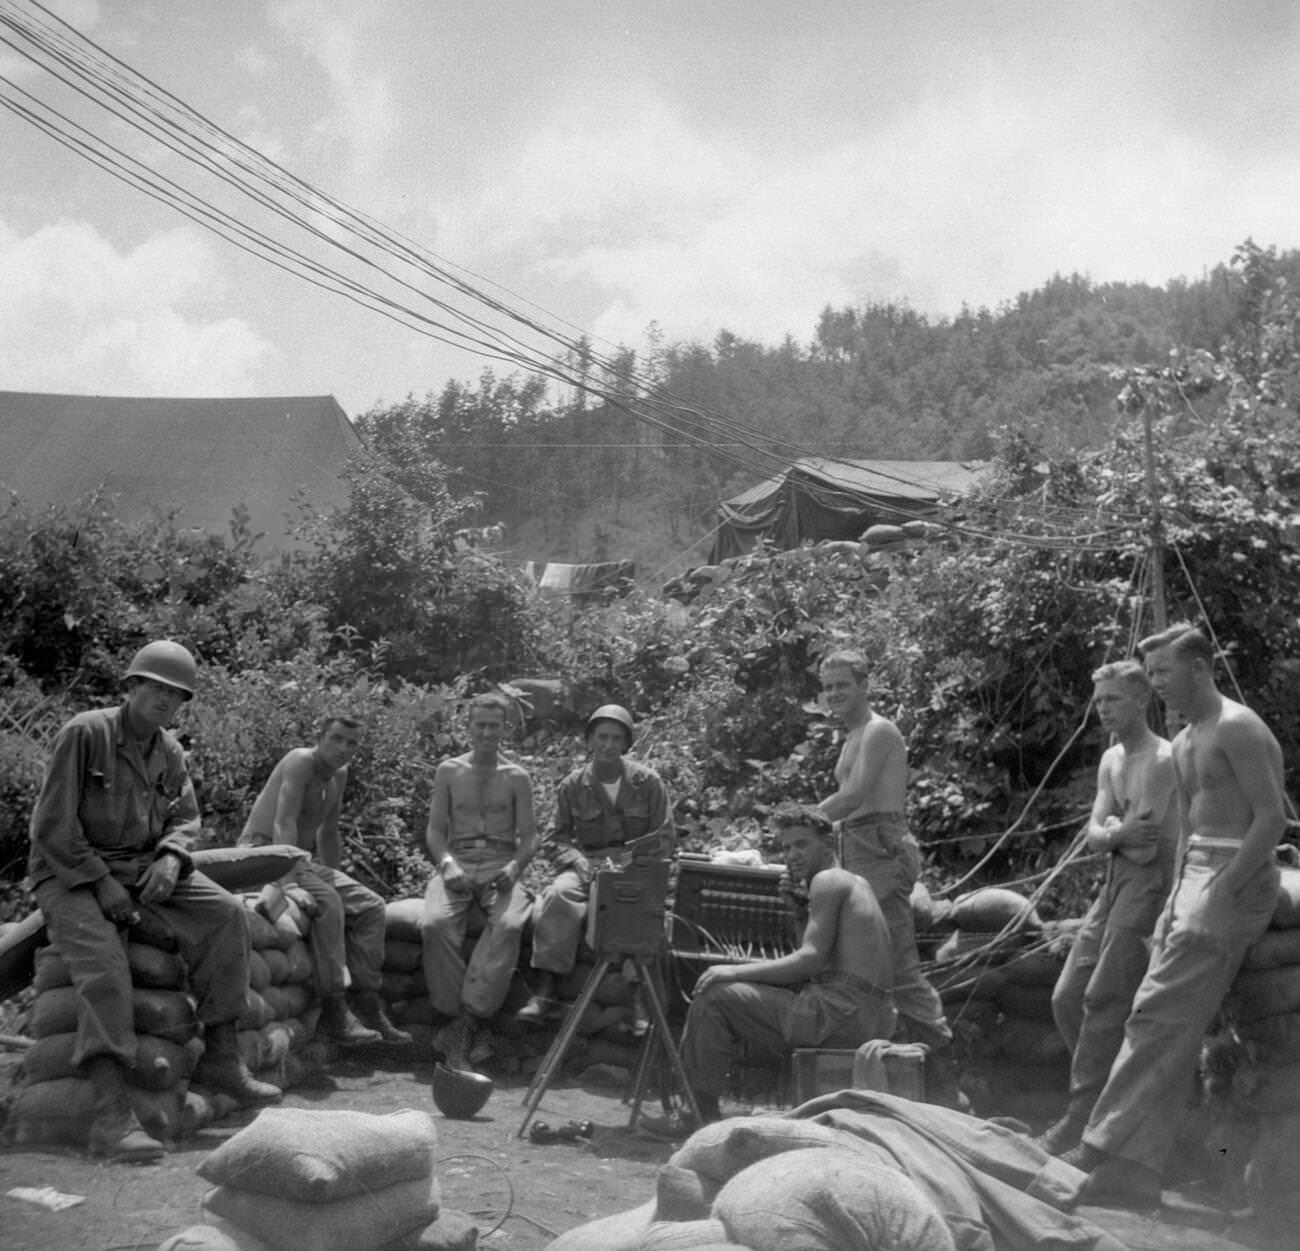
818	498
201	458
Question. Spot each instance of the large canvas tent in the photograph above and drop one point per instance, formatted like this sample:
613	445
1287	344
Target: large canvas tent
819	498
202	458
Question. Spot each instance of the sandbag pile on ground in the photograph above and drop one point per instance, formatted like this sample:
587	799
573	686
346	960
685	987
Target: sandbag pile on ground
516	1049
54	1102
305	1180
277	1025
1262	1080
404	986
853	1171
995	973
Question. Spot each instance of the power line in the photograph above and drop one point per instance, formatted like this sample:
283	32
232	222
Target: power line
470	318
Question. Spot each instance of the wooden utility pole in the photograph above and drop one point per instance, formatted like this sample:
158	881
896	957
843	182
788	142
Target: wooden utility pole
1159	610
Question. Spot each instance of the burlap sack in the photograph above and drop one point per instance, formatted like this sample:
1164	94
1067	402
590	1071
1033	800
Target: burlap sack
1260	993
829	1200
314	1155
402	920
242	869
159	1064
60	1111
215	1235
402	956
359	1222
164	1013
1274	950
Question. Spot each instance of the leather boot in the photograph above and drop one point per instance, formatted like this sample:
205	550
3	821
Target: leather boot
115	1133
222	1068
541	1003
370	1012
338	1023
452	1043
1066	1133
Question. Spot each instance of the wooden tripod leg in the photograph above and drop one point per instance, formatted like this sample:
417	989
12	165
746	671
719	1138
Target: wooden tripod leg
554	1057
649	1046
659	1023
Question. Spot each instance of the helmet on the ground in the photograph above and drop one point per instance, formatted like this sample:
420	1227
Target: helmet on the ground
612	712
167	662
460	1093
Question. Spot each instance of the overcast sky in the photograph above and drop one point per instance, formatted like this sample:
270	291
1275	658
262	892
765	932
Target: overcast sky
699	164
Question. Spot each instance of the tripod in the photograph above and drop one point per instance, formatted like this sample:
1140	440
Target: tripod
626	923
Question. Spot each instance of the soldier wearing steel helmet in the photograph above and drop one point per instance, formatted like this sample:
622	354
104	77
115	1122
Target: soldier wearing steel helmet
600	808
110	835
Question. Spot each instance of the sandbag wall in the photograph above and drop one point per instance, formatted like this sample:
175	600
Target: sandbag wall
1264	1009
54	1102
277	1026
603	1035
995	974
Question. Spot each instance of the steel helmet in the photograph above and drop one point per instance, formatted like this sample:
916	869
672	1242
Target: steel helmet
167	662
460	1093
616	713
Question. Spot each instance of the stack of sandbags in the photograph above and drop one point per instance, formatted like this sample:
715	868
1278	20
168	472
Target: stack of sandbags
1261	1079
306	1180
407	994
404	986
54	1101
1030	1075
605	1046
994	974
278	1022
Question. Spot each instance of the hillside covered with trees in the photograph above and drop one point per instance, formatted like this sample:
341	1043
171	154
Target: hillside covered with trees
982	641
581	479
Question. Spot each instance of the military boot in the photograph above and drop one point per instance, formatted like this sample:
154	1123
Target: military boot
338	1023
115	1133
1066	1133
370	1012
222	1068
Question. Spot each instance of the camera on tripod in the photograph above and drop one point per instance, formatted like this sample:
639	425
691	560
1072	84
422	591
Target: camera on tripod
625	916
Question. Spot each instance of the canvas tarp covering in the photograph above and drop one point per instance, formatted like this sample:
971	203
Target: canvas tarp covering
819	498
581	581
200	457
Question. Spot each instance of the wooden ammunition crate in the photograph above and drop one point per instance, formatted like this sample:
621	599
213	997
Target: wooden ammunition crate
824	1072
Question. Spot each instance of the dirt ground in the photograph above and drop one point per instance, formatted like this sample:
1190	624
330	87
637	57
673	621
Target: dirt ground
540	1191
522	1194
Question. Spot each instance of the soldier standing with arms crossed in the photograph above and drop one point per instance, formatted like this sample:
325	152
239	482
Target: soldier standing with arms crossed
1134	823
1229	775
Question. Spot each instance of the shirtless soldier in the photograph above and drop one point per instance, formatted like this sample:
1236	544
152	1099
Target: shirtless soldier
1134	824
1229	789
300	805
872	784
481	834
831	992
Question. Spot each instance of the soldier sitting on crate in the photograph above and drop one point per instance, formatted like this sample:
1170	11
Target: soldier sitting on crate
300	805
600	808
832	991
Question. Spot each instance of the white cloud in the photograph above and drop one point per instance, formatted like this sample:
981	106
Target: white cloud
965	198
79	316
364	116
252	59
